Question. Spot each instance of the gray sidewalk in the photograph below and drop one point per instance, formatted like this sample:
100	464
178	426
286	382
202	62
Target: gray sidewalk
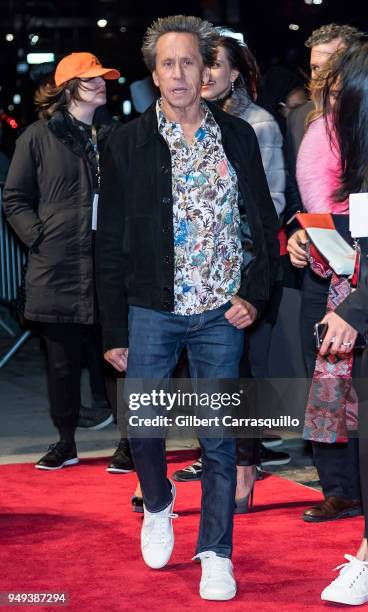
26	429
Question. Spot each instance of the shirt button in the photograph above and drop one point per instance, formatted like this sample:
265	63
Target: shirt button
166	200
167	259
164	169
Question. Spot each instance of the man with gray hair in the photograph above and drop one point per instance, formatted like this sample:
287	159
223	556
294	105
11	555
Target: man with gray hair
186	256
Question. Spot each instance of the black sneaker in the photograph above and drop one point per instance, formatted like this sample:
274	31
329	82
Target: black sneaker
95	418
271	441
58	456
270	457
190	473
121	461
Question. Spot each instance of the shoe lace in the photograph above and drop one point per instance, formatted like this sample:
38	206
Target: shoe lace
214	567
158	531
350	571
194	468
57	447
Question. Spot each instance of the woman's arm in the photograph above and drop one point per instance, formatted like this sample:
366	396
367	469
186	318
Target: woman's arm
270	145
21	193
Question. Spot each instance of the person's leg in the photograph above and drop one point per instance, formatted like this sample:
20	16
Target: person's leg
351	586
93	352
98	414
214	351
218	496
154	349
247	459
338	469
64	354
337	464
363	452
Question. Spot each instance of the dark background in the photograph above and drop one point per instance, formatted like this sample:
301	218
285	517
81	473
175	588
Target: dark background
71	25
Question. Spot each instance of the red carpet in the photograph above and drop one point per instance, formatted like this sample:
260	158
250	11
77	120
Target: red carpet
73	531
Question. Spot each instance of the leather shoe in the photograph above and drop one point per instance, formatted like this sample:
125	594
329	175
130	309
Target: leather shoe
332	508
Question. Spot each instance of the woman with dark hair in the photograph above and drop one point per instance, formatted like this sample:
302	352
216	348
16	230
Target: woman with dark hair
233	86
345	99
318	171
50	199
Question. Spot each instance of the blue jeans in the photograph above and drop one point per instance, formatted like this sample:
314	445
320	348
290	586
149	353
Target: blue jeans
214	348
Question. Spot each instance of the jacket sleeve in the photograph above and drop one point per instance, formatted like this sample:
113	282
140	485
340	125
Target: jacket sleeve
21	194
113	307
354	309
271	145
269	220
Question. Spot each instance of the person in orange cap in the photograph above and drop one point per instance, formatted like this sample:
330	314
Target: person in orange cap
51	199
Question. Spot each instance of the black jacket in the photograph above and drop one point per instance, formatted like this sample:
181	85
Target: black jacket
354	309
48	201
134	246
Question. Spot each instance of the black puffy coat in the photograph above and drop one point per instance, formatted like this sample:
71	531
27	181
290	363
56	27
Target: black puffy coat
48	202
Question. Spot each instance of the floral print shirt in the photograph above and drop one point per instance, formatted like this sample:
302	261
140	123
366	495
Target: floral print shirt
207	247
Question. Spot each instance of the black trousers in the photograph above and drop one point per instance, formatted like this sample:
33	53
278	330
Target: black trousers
337	464
254	364
66	345
363	436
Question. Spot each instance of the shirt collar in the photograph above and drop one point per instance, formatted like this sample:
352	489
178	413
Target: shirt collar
207	122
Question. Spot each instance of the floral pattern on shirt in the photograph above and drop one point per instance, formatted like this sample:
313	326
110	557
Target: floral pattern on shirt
207	247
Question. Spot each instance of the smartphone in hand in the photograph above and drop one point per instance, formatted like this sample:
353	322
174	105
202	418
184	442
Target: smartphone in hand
320	330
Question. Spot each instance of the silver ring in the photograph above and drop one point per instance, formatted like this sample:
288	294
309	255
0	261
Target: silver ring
346	343
332	340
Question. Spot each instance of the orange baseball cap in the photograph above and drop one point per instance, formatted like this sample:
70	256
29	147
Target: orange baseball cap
82	65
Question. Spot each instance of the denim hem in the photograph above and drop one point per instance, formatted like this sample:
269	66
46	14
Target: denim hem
166	505
220	551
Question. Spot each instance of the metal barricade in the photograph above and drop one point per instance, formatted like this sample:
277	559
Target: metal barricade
13	257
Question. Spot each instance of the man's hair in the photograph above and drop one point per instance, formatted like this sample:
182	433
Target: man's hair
347	33
203	30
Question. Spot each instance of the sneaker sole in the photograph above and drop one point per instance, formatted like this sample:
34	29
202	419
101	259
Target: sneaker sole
275	462
118	471
180	479
219	597
356	601
105	423
340	515
65	464
271	443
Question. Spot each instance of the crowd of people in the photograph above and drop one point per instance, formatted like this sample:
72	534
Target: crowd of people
168	234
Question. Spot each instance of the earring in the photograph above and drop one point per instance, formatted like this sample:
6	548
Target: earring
232	87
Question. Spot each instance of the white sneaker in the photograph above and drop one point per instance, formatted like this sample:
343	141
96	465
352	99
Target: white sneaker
157	535
351	585
217	582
